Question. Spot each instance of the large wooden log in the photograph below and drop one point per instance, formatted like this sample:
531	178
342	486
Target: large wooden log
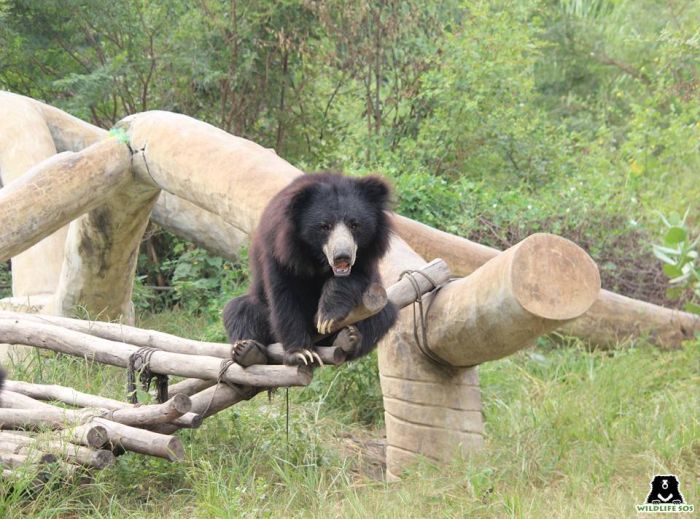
25	141
432	406
101	251
55	192
224	174
451	421
203	228
100	282
612	319
166	363
527	291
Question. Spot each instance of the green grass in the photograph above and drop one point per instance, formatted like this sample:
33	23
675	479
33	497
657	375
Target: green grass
570	433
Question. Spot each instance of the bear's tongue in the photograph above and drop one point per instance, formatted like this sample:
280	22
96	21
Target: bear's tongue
341	268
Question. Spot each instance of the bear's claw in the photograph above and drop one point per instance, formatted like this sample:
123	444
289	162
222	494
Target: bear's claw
325	326
305	356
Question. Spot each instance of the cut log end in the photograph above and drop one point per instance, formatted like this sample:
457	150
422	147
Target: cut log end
374	298
554	278
181	403
175	450
95	436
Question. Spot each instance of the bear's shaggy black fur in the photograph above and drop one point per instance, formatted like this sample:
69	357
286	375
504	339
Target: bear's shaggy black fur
297	281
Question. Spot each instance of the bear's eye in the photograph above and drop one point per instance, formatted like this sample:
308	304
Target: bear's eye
325	227
354	226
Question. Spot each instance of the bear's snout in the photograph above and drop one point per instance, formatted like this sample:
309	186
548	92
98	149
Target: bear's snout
340	250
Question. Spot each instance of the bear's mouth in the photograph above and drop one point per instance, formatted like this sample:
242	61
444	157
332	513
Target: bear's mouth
341	268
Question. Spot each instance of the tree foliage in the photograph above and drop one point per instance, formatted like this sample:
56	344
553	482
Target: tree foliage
494	118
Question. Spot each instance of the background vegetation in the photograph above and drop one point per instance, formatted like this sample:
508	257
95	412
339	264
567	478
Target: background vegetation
494	119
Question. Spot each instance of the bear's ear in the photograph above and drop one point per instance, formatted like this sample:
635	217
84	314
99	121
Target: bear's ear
376	190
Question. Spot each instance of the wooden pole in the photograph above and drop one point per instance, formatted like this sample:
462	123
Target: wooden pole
142	441
89	435
429	409
166	363
72	453
137	416
55	192
527	291
75	398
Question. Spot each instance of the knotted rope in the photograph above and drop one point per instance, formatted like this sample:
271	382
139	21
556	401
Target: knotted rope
142	356
422	340
223	367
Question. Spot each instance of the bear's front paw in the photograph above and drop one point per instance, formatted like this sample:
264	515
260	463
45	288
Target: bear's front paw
349	340
300	356
328	321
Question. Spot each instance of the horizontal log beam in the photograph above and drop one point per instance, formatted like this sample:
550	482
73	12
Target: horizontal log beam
613	318
75	398
72	453
527	291
17	331
142	441
137	416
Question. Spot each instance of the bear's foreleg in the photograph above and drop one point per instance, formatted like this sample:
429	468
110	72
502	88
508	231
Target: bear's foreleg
289	323
247	326
338	298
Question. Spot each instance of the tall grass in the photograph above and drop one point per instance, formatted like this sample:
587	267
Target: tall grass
570	433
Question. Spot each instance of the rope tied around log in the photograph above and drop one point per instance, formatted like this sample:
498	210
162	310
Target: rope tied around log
142	356
225	364
422	340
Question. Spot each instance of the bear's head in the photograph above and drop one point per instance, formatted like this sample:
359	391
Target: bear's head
334	222
665	489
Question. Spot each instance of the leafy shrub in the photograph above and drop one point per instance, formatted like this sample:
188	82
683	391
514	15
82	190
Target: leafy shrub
679	254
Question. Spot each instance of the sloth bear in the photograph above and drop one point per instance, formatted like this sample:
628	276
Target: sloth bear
313	255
